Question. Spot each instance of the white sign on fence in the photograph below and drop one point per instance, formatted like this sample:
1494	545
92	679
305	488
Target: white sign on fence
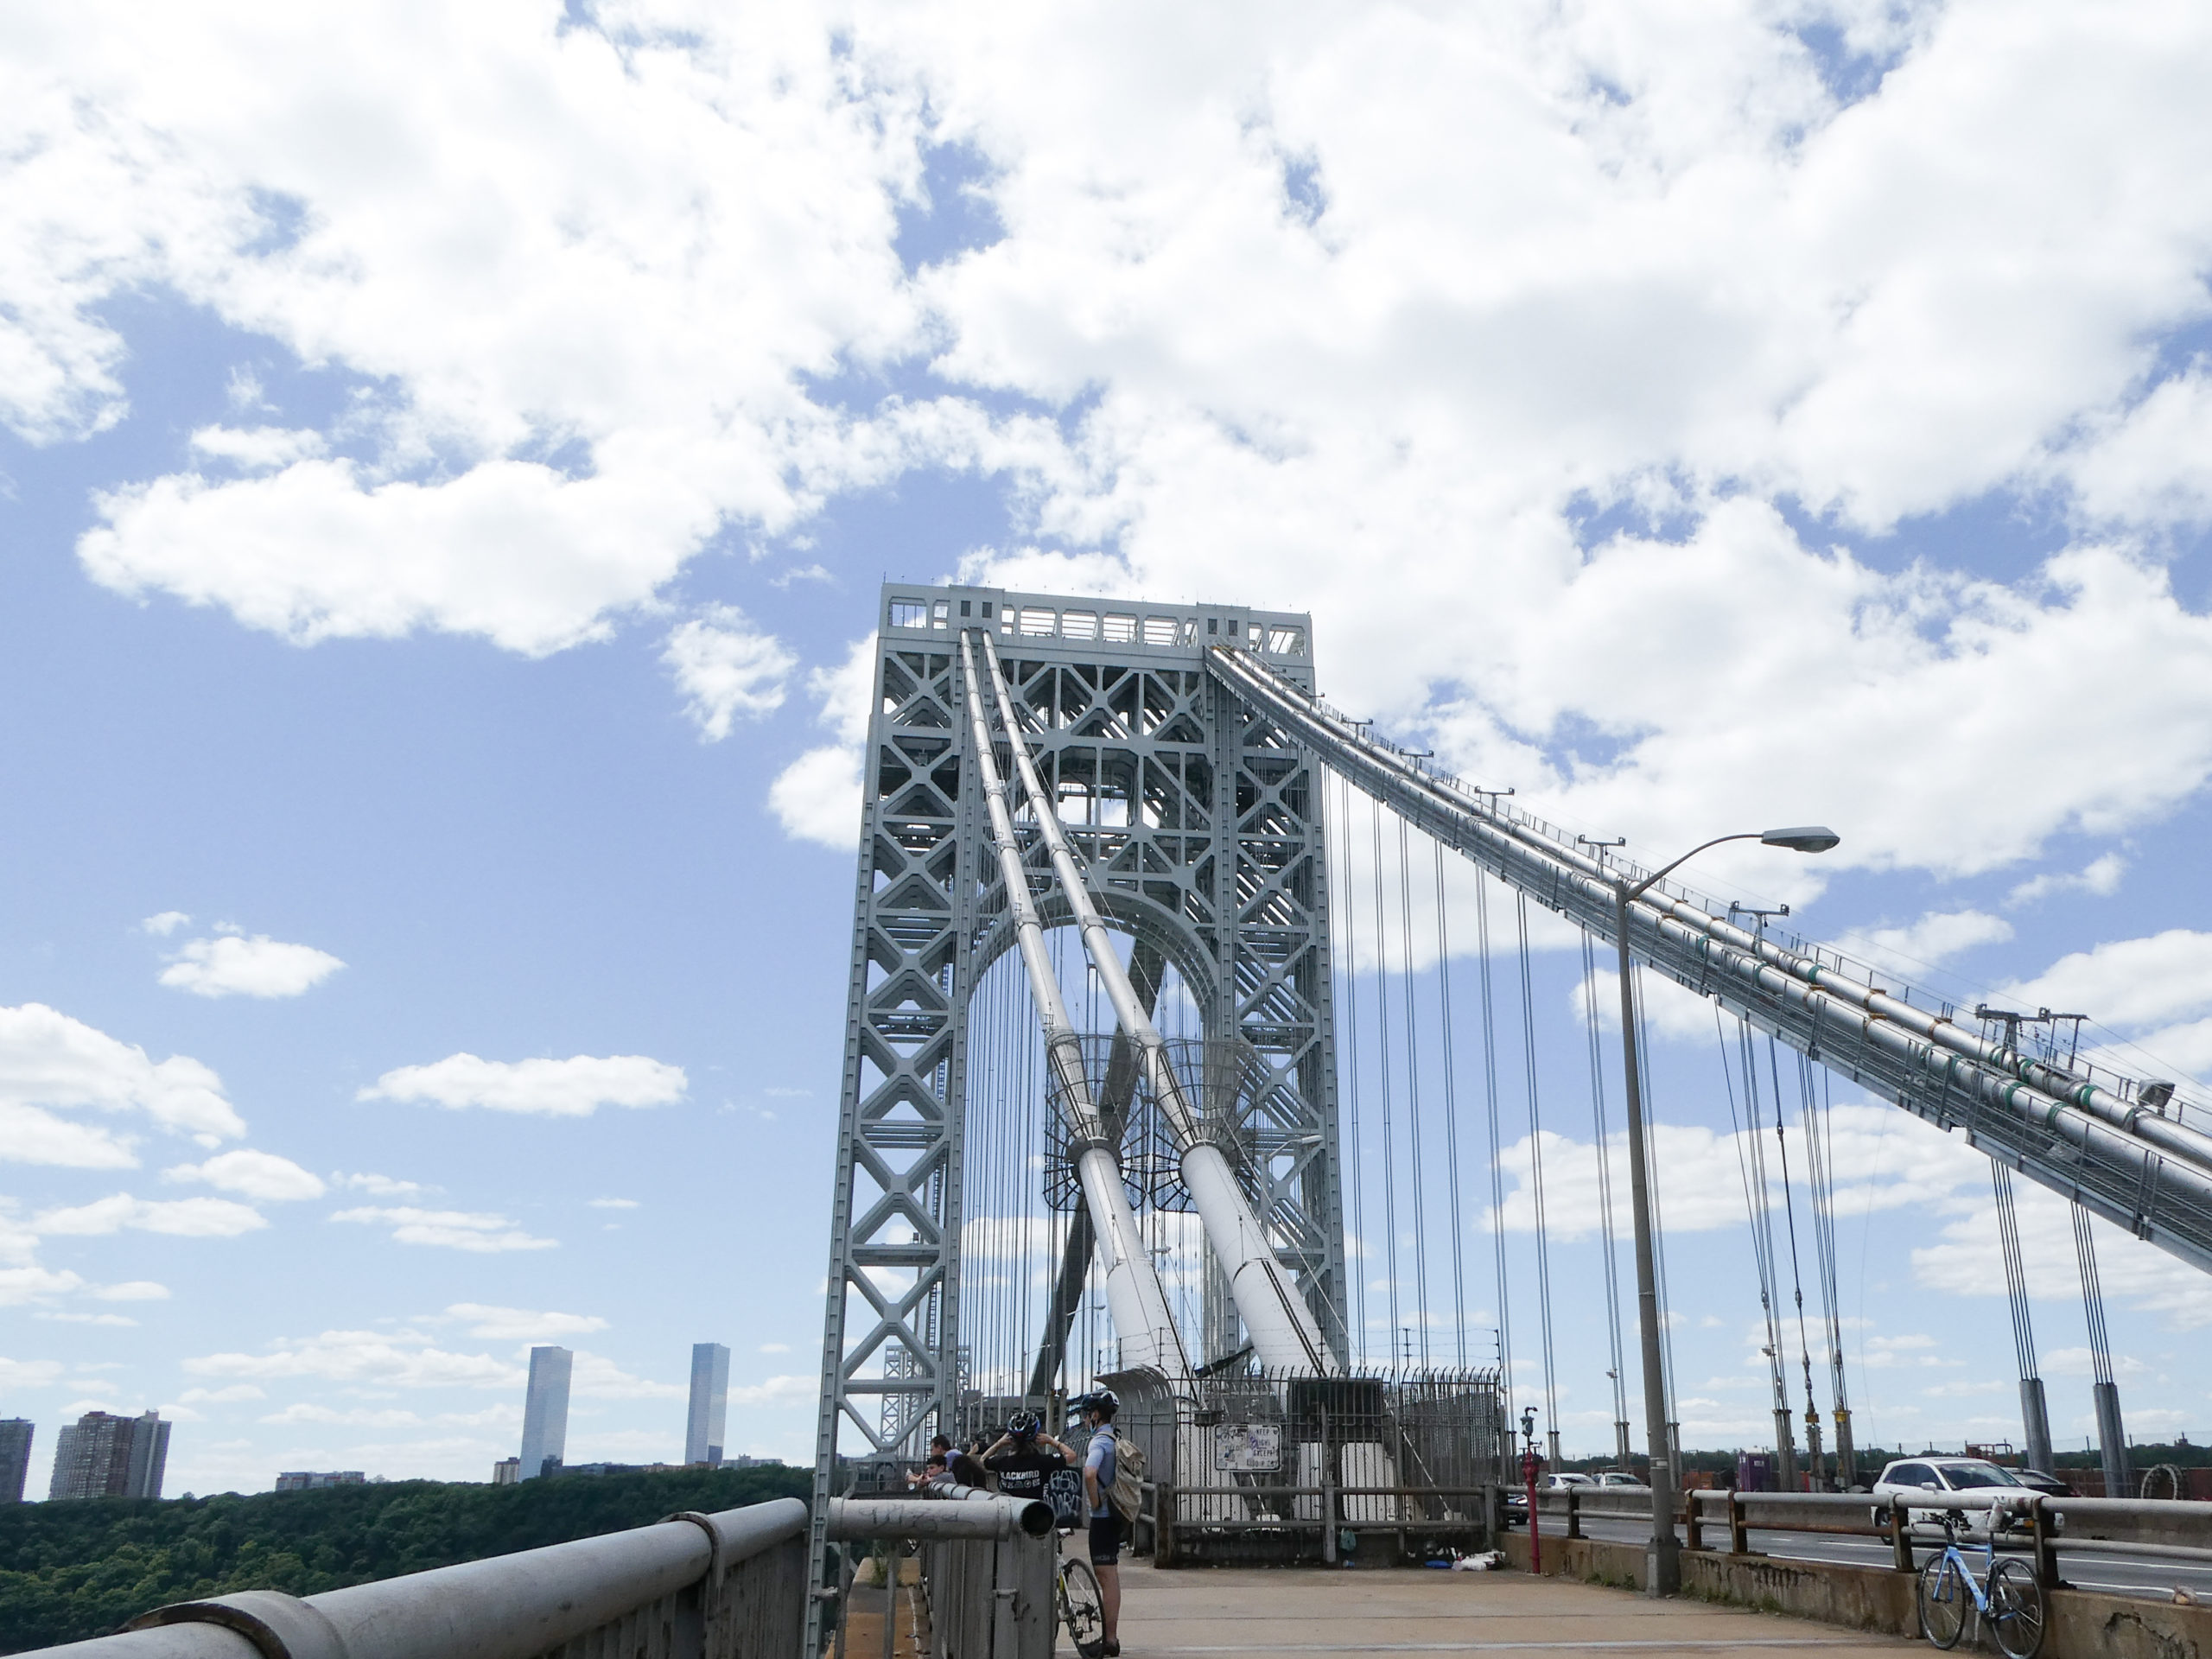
1247	1448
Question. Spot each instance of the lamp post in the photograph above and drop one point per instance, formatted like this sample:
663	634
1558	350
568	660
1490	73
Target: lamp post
1662	1565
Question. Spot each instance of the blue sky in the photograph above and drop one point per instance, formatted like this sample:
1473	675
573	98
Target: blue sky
447	463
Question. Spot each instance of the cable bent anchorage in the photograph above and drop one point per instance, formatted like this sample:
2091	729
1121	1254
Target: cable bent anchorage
1133	1293
1283	1330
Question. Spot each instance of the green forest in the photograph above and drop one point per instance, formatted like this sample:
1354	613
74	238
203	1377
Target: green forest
73	1570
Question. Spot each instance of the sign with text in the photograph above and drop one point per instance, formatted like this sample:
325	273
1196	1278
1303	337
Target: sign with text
1247	1448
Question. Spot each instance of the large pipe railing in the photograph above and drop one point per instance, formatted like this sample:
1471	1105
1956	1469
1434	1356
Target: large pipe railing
2144	1171
728	1585
1133	1295
1283	1330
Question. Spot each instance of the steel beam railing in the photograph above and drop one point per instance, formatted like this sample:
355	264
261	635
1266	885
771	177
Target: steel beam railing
2147	1173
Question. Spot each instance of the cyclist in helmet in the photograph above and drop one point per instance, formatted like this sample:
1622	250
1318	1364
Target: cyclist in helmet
1108	1530
1024	1456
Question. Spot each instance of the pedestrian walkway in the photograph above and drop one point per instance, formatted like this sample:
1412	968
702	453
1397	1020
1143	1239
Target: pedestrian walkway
1224	1612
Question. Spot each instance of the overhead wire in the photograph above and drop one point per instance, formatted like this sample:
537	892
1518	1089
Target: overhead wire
1452	1116
1413	1090
1496	1139
1536	1173
1601	1134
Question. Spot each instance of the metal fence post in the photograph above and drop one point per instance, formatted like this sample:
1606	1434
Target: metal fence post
1574	1512
2045	1545
1693	1519
1900	1535
1739	1533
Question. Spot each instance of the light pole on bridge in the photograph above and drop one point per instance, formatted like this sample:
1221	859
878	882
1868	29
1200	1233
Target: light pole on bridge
1662	1566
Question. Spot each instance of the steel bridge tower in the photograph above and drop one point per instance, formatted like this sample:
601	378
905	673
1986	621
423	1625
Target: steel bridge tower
1201	822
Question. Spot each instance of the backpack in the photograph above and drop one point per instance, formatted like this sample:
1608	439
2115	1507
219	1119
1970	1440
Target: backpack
1126	1496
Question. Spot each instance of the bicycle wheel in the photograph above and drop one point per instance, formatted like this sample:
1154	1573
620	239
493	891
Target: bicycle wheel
1944	1599
1082	1608
2016	1609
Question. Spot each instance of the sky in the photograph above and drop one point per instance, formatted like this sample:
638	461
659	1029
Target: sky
448	458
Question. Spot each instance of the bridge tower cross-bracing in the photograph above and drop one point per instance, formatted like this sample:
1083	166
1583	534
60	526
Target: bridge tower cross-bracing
1199	822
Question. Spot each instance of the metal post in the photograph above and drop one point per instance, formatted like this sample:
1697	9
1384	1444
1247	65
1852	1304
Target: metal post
1662	1566
1900	1535
1739	1532
2037	1416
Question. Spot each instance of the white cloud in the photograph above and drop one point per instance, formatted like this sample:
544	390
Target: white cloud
2130	984
257	448
231	1395
260	966
1936	936
612	1204
775	1347
88	1319
818	796
726	668
166	923
1967	1262
179	1217
135	1290
47	1059
597	1377
453	1229
381	1186
22	1285
776	1391
2100	877
359	1417
403	1359
572	1088
521	1324
261	1175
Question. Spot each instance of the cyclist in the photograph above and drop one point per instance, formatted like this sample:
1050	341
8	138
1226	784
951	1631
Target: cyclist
1106	1528
1025	1456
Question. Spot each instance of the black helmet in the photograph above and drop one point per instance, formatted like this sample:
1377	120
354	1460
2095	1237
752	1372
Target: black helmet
1023	1426
1103	1401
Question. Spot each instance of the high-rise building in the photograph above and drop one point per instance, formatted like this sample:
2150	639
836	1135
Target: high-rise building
506	1472
105	1456
546	1412
702	1433
15	1458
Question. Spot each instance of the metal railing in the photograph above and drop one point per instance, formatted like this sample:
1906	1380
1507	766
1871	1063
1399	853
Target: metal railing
728	1585
2041	1523
988	1564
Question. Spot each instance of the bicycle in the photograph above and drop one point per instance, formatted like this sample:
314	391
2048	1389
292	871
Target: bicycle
2008	1599
1083	1610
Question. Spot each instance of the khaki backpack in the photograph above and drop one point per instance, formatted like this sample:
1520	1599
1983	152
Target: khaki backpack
1126	1496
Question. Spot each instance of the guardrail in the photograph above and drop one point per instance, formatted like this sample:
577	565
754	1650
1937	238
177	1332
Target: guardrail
728	1585
2044	1524
987	1566
1462	1514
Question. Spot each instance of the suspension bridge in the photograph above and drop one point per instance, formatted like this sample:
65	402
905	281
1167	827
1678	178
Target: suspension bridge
1097	1123
1152	1010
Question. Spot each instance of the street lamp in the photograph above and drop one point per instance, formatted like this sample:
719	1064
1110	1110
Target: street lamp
1663	1563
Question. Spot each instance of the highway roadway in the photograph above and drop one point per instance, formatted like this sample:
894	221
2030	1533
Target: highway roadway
2084	1568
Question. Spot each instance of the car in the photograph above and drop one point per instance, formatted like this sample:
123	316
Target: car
1564	1480
1911	1477
2036	1481
1620	1480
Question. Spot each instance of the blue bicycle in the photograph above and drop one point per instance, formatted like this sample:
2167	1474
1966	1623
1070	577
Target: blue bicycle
2007	1598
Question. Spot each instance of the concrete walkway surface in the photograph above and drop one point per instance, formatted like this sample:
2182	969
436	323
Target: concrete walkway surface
1224	1612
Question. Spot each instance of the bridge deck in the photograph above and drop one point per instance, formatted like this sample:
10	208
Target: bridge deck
1223	1613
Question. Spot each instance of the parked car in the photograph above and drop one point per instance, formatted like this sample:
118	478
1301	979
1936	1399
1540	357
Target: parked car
2035	1481
1910	1477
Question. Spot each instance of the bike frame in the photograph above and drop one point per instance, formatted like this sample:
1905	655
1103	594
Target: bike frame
1953	1553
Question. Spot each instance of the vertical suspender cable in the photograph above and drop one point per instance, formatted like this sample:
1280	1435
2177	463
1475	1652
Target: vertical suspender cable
1350	954
1820	1158
2112	1436
1284	1332
1751	1163
1536	1176
1383	1069
1658	1215
1796	1279
1452	1118
1413	1090
1497	1143
1601	1134
1140	1315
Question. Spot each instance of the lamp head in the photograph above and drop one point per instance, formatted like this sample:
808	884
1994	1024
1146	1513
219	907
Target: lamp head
1802	838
